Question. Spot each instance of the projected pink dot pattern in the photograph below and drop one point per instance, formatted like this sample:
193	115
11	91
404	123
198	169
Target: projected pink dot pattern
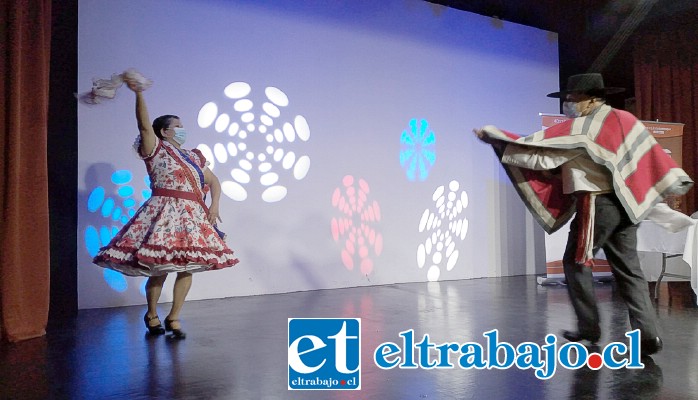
355	228
443	226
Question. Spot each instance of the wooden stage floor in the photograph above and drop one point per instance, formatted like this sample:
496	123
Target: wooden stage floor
237	348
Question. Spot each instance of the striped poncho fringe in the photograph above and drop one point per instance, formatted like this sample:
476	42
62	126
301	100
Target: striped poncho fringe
642	173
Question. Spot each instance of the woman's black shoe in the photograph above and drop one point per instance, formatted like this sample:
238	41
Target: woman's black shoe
176	333
153	329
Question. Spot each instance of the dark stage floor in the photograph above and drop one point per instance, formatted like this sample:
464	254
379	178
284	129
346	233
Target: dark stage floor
237	348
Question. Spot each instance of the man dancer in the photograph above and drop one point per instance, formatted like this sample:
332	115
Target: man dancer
604	167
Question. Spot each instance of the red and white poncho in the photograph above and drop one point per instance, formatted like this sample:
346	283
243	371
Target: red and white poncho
642	173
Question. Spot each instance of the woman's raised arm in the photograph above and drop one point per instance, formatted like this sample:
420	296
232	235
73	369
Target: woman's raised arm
138	83
148	138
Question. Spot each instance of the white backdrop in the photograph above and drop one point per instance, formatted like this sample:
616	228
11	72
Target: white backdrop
329	106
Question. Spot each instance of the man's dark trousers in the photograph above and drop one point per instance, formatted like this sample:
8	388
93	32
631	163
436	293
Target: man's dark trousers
617	235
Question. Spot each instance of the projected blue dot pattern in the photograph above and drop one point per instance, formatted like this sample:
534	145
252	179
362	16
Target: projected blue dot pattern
95	200
418	153
116	216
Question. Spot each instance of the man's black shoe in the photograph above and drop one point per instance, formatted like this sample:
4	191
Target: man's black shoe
651	346
578	337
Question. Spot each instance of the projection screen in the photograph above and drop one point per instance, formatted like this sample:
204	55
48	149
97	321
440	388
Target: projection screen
340	131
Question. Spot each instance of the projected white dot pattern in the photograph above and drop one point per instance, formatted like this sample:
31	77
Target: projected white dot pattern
443	226
263	147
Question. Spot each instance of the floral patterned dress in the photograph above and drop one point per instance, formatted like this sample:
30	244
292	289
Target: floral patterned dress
170	232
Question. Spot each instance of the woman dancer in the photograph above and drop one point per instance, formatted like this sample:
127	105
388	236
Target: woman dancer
174	230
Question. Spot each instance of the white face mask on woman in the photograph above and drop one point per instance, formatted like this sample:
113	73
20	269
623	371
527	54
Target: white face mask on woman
569	108
180	135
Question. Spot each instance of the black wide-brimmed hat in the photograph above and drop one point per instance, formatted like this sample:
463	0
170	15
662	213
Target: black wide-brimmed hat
591	84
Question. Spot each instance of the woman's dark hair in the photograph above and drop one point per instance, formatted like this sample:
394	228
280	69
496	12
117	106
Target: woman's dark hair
161	122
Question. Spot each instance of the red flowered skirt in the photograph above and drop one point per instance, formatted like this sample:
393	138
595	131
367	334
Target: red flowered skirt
166	235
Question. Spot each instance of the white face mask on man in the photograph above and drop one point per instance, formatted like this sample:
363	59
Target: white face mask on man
180	135
569	108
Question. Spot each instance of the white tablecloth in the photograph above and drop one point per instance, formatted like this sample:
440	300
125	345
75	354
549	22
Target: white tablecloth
653	238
